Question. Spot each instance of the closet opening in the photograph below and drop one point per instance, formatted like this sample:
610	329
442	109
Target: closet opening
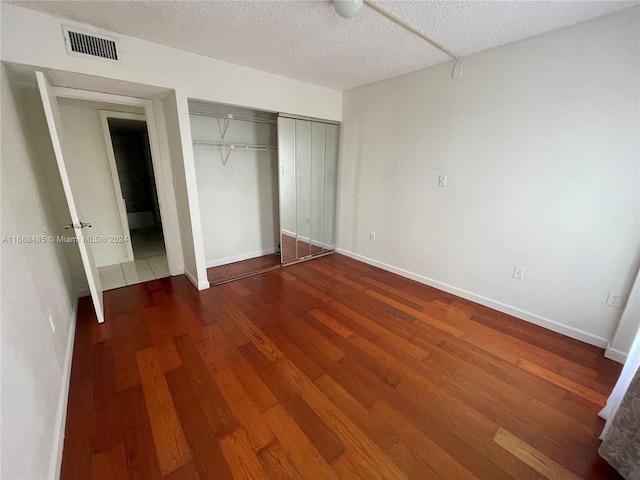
266	188
235	152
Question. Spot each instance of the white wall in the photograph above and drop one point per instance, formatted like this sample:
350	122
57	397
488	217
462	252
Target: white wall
90	174
239	200
540	143
34	281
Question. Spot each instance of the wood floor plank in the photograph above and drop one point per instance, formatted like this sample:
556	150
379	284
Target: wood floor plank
101	332
326	369
110	464
139	446
537	460
303	334
129	334
347	468
170	443
438	459
311	290
161	327
253	333
126	376
297	445
208	392
323	439
186	472
399	453
553	342
192	326
395	291
241	406
293	351
107	433
253	385
278	464
240	456
199	433
434	322
332	323
369	348
392	429
336	276
413	350
563	382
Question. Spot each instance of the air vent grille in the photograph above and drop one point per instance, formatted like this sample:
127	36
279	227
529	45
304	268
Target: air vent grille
92	45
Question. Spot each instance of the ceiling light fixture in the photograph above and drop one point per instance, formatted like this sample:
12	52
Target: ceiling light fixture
348	8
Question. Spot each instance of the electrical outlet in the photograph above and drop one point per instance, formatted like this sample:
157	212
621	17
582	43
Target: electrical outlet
372	236
308	219
614	300
518	272
442	181
53	325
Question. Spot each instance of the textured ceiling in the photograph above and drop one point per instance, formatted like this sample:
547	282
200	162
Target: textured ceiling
307	40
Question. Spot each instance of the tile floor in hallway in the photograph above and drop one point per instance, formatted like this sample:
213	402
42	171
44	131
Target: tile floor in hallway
130	273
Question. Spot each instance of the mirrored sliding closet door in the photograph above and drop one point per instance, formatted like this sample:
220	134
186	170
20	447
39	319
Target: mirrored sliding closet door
308	156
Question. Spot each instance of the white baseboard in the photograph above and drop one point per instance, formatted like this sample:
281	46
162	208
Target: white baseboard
487	302
61	415
199	285
615	355
243	256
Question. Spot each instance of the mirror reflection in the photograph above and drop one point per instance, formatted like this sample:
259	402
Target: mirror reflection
307	153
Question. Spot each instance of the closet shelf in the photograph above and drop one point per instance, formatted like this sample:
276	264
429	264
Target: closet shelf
229	147
238	146
229	116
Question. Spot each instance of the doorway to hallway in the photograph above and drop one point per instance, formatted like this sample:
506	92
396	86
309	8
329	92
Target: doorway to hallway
133	177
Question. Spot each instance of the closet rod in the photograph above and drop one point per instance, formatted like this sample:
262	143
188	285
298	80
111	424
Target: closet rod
237	146
230	116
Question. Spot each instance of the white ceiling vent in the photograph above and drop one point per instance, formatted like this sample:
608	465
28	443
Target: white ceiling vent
90	44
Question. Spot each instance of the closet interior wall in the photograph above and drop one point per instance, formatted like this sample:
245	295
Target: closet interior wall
237	187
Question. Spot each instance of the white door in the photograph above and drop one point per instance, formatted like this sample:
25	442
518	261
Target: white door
54	121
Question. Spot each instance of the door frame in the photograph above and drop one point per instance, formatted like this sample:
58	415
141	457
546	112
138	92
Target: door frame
161	166
105	115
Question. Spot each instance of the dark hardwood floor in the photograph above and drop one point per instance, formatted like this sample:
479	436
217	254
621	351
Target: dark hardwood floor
230	271
327	369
